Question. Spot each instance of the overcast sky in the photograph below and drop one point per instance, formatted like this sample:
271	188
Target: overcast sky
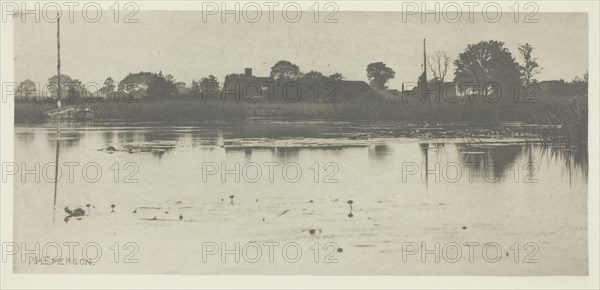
179	43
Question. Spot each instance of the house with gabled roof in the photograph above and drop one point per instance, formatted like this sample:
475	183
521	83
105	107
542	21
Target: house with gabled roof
249	87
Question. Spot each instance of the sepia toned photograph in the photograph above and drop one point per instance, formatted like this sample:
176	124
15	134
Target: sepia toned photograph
299	139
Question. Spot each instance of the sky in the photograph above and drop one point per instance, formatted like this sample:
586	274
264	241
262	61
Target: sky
181	44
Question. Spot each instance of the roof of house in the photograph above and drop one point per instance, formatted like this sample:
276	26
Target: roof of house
352	88
346	90
242	79
356	90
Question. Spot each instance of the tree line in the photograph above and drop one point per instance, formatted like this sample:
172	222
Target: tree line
483	63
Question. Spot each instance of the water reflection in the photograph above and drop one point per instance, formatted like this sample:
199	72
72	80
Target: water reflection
575	159
488	160
495	162
379	151
65	138
24	137
287	154
172	182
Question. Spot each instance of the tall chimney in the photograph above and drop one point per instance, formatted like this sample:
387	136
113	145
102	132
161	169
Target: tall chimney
248	72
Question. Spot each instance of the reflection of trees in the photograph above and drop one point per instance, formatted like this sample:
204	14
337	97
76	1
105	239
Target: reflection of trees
273	130
493	159
286	153
121	136
425	148
379	151
67	138
158	154
24	137
125	136
574	158
108	137
159	135
204	138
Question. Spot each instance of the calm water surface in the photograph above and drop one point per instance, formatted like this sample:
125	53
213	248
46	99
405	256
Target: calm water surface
297	176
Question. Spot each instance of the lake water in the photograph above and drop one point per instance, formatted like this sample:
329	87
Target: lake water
172	185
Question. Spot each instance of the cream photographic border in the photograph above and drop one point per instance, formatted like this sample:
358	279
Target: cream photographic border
9	280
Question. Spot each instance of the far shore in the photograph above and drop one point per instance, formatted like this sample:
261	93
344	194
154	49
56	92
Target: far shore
570	113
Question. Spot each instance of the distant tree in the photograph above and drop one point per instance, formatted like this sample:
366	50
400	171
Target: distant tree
580	85
195	87
162	87
438	64
486	64
205	87
71	89
182	88
209	81
379	74
582	79
313	76
337	77
150	85
108	87
285	71
530	67
26	89
109	84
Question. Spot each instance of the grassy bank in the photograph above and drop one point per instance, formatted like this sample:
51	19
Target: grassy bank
570	111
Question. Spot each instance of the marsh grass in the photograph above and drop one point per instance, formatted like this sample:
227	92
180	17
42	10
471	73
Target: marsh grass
571	112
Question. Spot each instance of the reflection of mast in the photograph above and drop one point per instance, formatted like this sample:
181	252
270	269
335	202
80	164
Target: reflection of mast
425	150
58	92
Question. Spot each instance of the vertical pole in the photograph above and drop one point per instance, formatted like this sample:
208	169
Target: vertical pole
58	92
424	65
56	175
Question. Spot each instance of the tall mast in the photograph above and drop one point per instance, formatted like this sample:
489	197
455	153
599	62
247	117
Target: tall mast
58	123
58	92
424	61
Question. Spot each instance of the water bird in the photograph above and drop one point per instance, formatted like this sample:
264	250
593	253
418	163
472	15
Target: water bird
339	250
231	197
180	217
350	202
112	206
135	210
110	150
464	227
73	213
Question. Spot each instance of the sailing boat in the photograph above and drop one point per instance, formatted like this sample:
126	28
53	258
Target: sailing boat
69	112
